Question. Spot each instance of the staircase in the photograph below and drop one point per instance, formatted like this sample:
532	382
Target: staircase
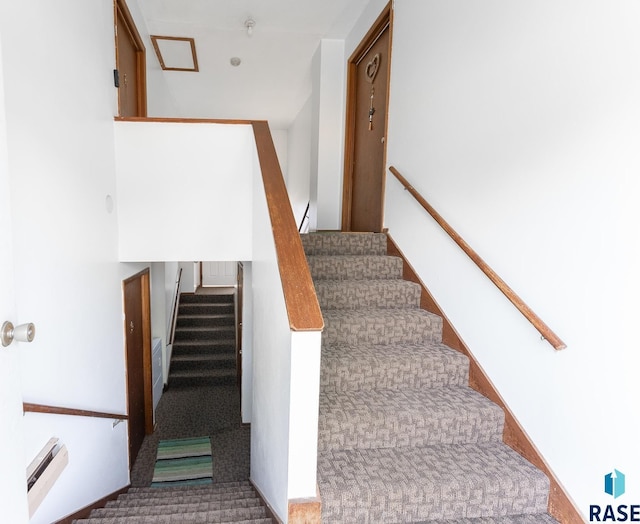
204	350
402	437
231	502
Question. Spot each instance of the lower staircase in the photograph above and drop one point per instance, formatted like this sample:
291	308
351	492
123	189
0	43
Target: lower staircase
402	437
204	348
231	502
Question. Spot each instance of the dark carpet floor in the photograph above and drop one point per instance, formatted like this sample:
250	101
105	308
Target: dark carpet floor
196	411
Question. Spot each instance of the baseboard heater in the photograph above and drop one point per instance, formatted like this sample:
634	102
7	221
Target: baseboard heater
43	472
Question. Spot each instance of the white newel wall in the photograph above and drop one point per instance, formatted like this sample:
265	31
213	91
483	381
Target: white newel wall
286	374
520	124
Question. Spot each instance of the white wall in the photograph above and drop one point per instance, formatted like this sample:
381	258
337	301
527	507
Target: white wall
271	363
520	123
13	498
59	122
187	183
299	162
327	148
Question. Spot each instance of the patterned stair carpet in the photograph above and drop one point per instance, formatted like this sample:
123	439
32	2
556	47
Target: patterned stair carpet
235	502
402	437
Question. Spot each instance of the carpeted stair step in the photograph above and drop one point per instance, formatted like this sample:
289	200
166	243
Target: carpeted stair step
335	243
244	508
212	377
205	333
203	361
346	267
452	481
407	417
536	518
201	320
367	294
152	499
191	347
381	326
204	517
215	488
368	367
206	308
191	298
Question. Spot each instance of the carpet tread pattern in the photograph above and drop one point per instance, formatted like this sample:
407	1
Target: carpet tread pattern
402	437
204	345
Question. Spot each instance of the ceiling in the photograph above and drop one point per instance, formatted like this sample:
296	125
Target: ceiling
273	81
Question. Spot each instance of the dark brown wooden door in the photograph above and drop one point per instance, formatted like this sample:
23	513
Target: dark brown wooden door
130	63
138	354
367	125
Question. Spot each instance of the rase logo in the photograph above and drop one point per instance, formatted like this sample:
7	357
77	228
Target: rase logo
614	485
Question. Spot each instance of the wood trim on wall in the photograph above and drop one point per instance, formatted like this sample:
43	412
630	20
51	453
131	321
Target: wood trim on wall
305	511
384	19
181	120
560	505
28	407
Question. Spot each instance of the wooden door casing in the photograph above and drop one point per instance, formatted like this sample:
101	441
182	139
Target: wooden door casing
365	149
137	325
130	64
239	304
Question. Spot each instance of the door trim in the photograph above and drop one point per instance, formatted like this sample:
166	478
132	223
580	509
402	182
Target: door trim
384	21
147	378
120	7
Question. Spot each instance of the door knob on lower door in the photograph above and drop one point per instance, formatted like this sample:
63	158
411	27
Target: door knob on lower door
21	333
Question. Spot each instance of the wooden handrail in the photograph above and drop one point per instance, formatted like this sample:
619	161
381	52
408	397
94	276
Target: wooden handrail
174	309
537	322
300	298
55	410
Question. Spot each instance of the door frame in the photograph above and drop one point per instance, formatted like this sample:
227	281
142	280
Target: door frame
384	21
120	7
147	378
239	305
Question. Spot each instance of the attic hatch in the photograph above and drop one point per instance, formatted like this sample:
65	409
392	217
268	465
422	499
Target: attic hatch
176	53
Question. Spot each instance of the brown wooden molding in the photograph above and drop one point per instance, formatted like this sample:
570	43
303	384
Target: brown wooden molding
84	512
192	45
300	298
182	120
560	506
28	407
528	313
305	511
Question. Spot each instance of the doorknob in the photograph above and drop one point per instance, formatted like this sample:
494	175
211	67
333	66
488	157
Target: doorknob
21	333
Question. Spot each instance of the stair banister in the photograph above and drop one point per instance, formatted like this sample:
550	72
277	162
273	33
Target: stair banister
528	313
299	294
174	310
